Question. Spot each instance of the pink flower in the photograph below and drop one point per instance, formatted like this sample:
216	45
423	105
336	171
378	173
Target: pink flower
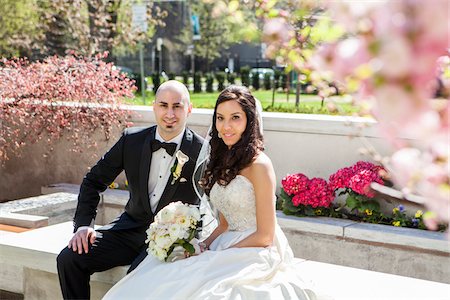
314	192
295	183
341	178
357	177
320	192
277	30
360	182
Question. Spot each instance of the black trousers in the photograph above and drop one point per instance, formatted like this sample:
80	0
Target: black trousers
111	248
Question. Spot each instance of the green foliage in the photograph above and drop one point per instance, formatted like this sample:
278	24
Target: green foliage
365	208
18	30
255	81
283	80
245	75
231	78
220	76
40	28
171	75
156	78
185	75
209	83
267	81
197	82
217	30
277	78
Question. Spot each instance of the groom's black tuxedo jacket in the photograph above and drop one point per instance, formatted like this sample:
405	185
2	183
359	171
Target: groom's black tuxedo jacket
133	154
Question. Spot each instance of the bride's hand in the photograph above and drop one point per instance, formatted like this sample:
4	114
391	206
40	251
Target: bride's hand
199	248
203	247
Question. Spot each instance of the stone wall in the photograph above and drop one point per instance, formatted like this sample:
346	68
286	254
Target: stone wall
316	145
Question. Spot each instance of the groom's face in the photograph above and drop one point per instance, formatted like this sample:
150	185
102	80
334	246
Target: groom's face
171	112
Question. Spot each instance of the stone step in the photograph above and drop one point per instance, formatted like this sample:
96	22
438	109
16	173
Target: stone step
27	266
22	221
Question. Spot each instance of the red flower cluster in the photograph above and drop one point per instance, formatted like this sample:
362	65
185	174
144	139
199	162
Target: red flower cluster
293	184
314	192
357	177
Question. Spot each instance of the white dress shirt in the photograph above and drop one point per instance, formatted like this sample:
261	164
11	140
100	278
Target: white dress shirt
160	167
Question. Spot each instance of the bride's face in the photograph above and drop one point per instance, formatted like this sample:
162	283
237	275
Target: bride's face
231	122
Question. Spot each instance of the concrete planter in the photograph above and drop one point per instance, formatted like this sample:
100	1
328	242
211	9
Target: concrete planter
383	248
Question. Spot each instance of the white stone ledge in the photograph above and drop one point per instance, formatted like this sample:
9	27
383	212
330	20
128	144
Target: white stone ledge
384	234
22	220
285	122
313	225
109	196
401	236
44	201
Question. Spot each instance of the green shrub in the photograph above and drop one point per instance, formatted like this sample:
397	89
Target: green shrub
156	78
171	75
209	83
220	76
245	75
185	75
231	77
283	81
277	78
267	81
197	82
255	81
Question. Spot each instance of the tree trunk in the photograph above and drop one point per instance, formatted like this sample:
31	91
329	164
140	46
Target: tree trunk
103	25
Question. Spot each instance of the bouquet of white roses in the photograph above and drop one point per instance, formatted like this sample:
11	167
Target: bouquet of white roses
174	225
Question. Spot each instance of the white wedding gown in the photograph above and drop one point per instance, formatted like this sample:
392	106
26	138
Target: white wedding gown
222	272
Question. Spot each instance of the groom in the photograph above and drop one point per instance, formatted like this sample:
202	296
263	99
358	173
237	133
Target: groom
147	156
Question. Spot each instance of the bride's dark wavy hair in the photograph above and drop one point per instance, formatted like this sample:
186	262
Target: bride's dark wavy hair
226	163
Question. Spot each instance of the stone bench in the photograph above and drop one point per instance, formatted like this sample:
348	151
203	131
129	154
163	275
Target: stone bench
28	267
28	264
401	251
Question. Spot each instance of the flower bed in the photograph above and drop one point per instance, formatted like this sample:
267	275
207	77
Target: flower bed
302	196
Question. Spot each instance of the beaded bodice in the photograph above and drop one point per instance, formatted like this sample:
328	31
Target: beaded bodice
236	202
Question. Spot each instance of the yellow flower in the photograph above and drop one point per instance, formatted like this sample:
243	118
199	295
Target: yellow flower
318	211
113	185
368	212
418	214
395	210
396	223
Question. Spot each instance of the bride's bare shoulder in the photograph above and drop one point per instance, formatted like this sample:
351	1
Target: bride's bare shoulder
261	165
262	159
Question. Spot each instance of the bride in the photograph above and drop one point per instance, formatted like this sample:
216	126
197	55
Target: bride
247	256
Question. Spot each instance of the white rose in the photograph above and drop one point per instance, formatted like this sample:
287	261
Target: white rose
161	254
163	241
183	221
175	232
195	212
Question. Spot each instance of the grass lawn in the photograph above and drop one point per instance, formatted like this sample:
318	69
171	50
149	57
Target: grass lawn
308	103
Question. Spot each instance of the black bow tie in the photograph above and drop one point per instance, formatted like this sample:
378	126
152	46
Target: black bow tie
170	147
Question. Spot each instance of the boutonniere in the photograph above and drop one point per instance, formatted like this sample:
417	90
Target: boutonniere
178	166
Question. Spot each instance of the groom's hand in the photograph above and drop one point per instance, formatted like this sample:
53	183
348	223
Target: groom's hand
81	238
